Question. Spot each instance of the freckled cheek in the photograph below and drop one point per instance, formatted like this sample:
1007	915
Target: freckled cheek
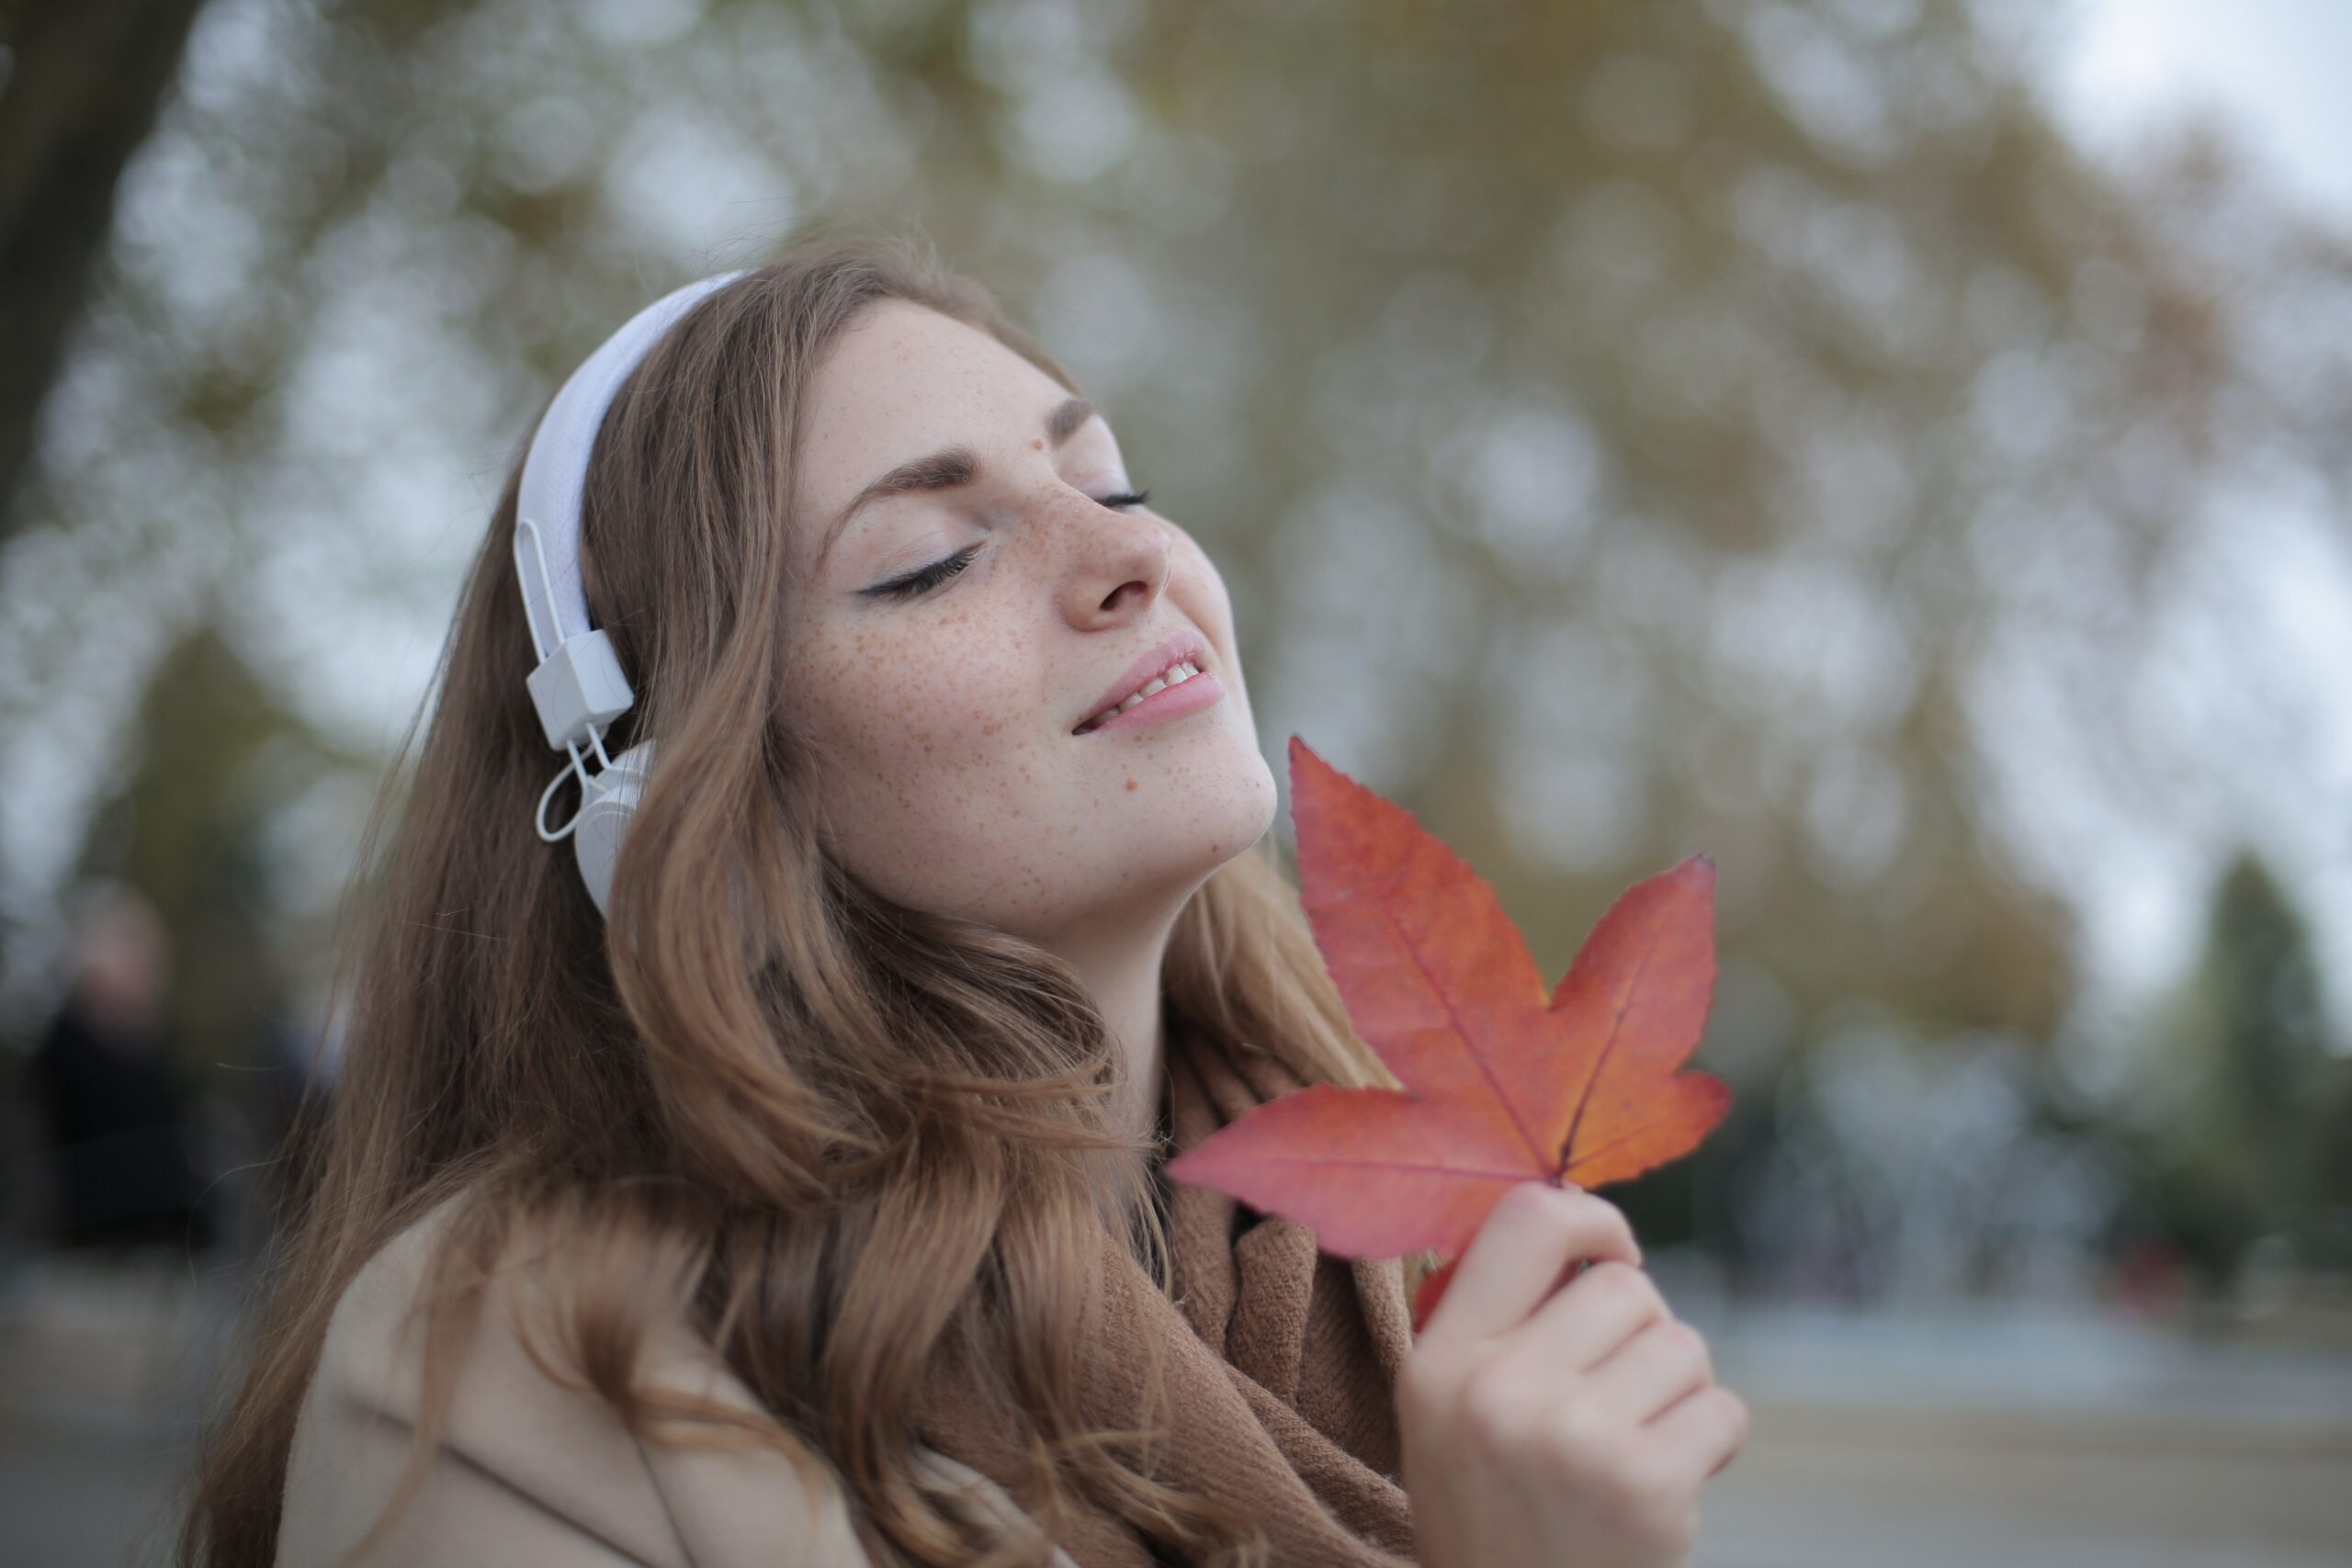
1208	592
900	710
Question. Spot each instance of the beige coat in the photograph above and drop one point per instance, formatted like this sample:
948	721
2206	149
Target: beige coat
531	1474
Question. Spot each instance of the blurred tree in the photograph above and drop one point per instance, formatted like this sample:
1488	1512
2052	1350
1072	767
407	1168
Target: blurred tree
2232	1125
217	758
84	79
2331	1230
1619	395
1625	428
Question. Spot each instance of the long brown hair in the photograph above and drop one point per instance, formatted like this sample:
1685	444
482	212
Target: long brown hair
834	1131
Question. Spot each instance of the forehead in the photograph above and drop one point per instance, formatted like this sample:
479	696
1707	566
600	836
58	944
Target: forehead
903	381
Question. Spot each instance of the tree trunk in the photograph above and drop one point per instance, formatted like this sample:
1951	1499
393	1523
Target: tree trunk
85	81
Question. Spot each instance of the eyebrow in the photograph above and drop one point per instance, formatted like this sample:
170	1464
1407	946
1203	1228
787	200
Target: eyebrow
947	469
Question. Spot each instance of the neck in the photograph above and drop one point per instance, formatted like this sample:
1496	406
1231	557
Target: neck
1121	973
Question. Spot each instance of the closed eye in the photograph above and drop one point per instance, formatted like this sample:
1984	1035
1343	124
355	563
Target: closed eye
922	580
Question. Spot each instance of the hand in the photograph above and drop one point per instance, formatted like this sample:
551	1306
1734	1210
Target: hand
1546	1423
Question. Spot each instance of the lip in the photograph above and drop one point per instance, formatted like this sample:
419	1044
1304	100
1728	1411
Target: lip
1168	702
1188	647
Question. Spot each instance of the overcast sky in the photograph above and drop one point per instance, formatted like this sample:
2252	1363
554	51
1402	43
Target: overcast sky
2273	73
2273	70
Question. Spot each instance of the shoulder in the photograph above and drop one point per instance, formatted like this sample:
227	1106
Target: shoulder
527	1468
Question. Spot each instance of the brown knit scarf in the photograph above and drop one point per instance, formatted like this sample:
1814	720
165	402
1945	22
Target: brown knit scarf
1277	1362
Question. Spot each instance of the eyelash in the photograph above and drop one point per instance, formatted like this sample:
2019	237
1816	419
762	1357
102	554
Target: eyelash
939	571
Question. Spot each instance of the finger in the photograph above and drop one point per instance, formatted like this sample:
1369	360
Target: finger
1587	1319
1649	1372
1522	1253
1703	1433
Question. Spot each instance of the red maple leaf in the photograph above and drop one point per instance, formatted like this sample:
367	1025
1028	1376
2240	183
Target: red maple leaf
1501	1084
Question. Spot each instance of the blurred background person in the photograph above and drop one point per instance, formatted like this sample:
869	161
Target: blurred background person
122	1170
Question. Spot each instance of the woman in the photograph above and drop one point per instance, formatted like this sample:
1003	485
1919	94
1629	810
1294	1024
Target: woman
808	1211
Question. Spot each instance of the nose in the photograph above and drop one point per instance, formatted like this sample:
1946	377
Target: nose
1119	564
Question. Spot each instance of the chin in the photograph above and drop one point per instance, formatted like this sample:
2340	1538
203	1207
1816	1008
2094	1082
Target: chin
1233	790
1224	816
1239	814
1264	796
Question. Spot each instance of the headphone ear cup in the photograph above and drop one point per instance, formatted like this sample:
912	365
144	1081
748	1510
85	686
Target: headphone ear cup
612	797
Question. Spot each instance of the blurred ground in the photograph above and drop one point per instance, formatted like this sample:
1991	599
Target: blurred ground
2034	1436
1834	1486
2008	1436
101	1369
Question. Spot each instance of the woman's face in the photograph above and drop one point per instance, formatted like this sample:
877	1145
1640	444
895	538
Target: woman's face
946	719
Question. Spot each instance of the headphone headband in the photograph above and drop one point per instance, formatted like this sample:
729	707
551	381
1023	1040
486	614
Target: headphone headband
556	467
578	687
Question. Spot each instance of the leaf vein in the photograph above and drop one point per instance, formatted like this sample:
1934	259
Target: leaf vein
1318	1161
1526	1133
1616	1028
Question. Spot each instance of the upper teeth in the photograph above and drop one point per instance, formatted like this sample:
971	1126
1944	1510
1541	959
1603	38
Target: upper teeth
1175	674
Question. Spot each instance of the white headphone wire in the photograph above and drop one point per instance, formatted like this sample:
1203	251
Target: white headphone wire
577	765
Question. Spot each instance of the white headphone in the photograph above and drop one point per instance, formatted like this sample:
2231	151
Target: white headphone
578	687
